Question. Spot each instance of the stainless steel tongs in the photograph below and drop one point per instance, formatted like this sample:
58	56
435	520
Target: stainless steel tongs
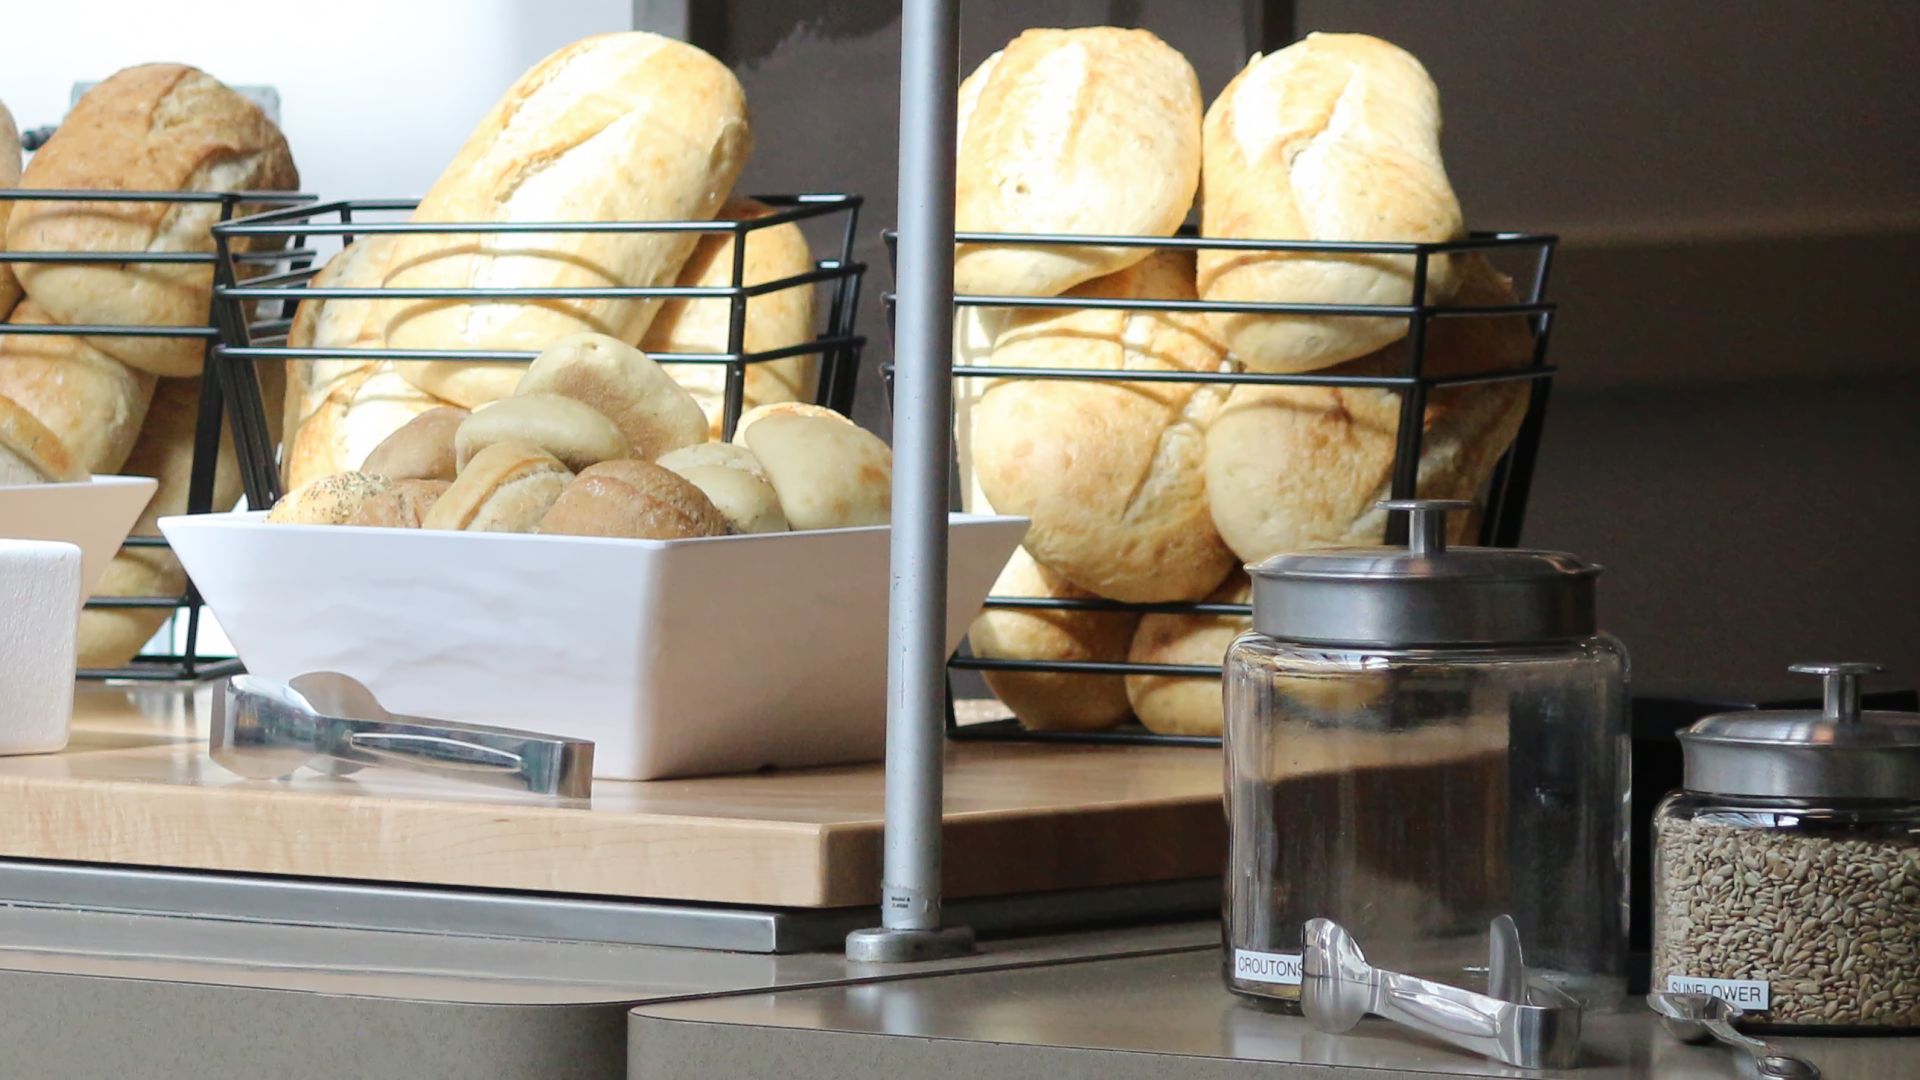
1516	1022
265	730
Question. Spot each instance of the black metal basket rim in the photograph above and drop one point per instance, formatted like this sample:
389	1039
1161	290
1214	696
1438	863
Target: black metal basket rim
1254	378
19	194
825	270
108	330
826	343
130	258
1188	239
1252	307
294	220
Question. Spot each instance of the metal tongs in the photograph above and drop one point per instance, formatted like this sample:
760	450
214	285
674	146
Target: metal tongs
266	730
1516	1022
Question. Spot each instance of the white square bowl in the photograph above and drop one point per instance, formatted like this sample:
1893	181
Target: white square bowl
94	515
676	657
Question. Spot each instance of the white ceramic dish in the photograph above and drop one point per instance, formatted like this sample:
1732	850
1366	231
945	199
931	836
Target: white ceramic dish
95	515
676	658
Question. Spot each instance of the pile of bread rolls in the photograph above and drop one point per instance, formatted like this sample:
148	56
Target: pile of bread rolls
617	127
1161	491
71	406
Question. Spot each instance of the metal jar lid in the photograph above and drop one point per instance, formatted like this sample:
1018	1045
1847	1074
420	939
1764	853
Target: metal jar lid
1425	594
1839	752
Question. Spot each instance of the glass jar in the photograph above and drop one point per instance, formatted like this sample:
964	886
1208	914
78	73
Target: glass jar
1786	871
1418	740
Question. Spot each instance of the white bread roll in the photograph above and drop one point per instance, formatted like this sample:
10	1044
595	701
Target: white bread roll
1053	701
1185	705
505	488
654	414
774	321
91	401
317	385
563	427
403	506
156	127
828	473
1110	472
1336	137
1292	467
734	480
783	408
422	449
635	500
30	452
1093	130
9	177
617	127
363	407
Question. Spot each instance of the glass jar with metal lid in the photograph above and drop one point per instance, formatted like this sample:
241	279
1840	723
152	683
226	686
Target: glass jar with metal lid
1786	871
1418	740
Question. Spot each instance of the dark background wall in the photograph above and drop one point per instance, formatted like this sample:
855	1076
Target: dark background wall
1737	429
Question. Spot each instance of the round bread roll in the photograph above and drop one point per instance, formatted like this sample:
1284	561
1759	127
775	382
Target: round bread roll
423	448
1335	137
569	430
636	500
1293	467
1053	701
330	500
1092	130
1184	705
506	487
1112	473
732	478
402	506
314	386
774	320
9	177
783	408
365	407
652	412
91	401
29	452
828	473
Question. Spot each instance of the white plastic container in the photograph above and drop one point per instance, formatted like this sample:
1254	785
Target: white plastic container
676	657
94	515
39	615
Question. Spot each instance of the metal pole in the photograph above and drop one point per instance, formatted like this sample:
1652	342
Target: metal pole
922	406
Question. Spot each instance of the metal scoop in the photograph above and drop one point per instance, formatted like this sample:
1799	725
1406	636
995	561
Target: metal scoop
1702	1018
266	730
1517	1023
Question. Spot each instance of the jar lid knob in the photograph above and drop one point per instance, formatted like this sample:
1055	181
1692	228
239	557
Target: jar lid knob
1842	687
1426	521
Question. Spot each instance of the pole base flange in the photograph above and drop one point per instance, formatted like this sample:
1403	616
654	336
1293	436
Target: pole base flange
883	946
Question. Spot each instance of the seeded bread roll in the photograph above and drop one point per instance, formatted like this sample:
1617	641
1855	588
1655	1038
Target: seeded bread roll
635	500
93	403
505	488
563	427
828	473
1336	137
29	452
1093	130
403	506
1182	705
330	500
156	127
774	320
733	479
1292	467
654	414
9	177
1112	473
423	448
1053	701
617	127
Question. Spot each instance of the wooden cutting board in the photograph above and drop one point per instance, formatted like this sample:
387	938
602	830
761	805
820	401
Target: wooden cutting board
135	787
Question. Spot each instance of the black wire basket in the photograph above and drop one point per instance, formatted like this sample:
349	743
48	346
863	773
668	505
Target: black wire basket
246	343
1505	498
189	662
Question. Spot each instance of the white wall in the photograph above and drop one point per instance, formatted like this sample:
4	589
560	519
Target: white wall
376	95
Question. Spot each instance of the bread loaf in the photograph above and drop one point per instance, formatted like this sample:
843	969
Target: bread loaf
618	127
653	413
1336	137
828	473
9	177
636	500
403	506
1291	467
344	324
156	127
1093	130
975	330
329	500
505	488
773	321
422	449
734	481
93	403
1110	472
362	408
1185	705
30	453
1053	701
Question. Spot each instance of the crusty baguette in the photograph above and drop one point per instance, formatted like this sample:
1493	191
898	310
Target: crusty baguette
314	386
975	329
30	452
617	127
362	408
773	321
1291	467
9	177
156	127
1111	472
94	403
1336	137
1179	704
1093	130
1053	701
